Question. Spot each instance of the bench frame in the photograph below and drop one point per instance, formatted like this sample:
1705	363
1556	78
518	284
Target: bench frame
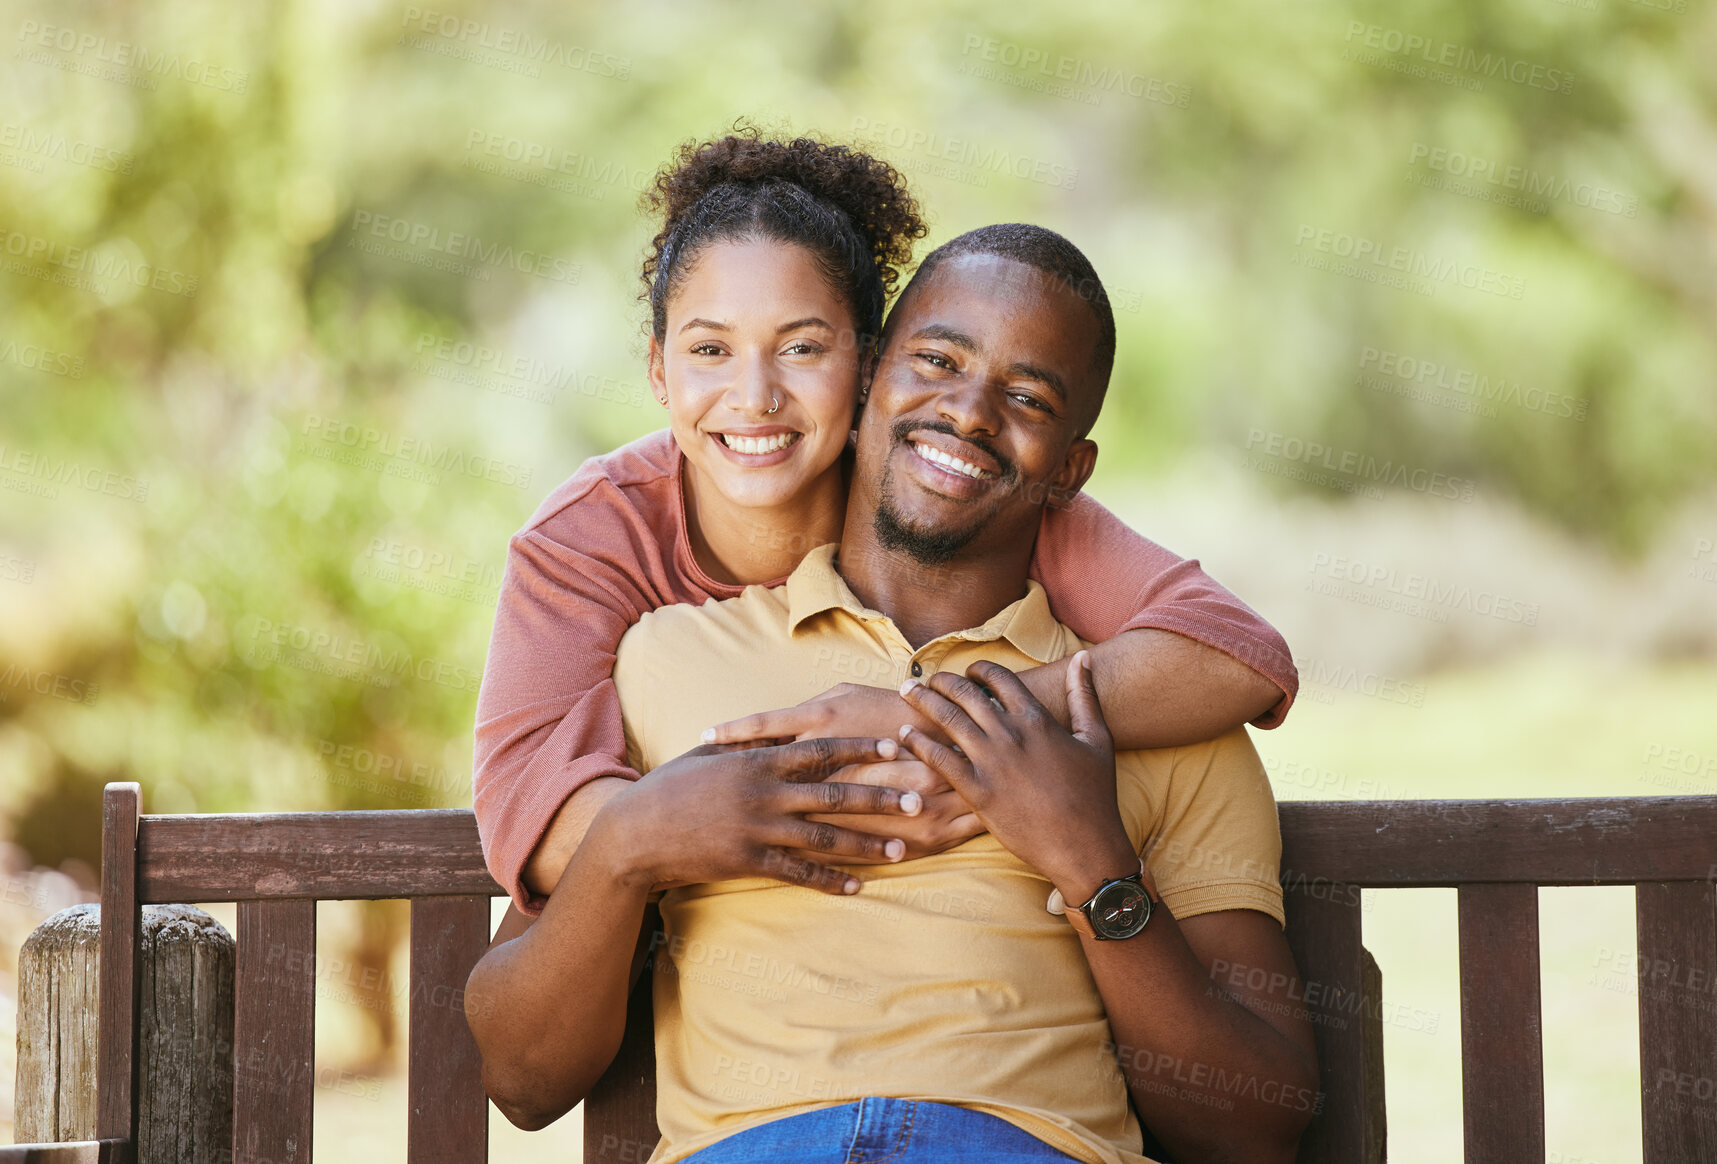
276	867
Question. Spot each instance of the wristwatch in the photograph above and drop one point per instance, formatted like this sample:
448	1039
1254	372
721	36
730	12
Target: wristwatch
1119	909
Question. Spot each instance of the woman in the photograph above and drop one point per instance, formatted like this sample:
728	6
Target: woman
766	285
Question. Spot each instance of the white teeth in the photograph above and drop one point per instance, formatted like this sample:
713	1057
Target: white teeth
756	446
938	457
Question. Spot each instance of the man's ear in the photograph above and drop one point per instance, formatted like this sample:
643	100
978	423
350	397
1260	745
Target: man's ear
1076	469
658	374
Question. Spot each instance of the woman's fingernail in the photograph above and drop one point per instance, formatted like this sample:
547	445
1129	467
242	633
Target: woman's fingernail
852	885
906	687
708	736
887	749
895	850
910	803
905	730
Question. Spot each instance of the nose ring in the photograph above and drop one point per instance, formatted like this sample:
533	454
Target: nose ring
774	403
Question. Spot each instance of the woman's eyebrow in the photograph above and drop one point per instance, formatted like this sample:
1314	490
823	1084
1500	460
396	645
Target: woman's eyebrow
808	321
711	324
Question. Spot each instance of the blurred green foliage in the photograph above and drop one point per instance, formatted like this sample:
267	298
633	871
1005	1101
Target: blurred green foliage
277	591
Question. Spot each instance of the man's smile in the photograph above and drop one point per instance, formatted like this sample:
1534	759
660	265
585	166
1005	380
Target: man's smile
947	461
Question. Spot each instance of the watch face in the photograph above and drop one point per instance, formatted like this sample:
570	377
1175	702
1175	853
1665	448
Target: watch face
1121	909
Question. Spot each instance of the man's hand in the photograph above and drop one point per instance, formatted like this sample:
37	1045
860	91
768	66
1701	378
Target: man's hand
1046	793
945	820
847	709
715	814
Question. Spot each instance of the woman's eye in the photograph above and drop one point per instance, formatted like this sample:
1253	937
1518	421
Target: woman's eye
804	348
706	349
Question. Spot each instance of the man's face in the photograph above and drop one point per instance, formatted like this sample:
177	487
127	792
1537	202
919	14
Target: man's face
984	381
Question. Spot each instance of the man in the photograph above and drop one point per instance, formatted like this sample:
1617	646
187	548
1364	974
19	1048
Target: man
942	989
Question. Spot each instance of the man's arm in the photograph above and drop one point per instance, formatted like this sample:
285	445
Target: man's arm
1241	1075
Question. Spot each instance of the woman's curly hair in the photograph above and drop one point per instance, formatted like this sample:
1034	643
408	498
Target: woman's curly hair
853	212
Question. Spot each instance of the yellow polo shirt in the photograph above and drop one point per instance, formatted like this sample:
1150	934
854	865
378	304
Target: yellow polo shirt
943	978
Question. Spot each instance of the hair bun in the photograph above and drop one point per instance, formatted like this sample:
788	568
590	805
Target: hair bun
869	191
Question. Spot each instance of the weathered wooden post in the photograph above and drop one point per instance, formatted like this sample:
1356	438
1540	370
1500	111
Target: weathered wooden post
185	1067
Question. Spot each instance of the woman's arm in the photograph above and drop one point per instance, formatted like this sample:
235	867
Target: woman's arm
1179	658
586	568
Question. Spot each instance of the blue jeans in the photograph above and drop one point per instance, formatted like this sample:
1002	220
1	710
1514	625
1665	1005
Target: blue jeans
882	1131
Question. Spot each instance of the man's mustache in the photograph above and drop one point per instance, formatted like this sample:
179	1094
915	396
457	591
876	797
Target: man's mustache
902	431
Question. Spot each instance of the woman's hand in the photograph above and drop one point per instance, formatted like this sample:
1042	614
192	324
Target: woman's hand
716	814
848	709
1046	793
945	820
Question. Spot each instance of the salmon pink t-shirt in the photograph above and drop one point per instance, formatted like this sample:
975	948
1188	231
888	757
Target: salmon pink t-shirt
610	543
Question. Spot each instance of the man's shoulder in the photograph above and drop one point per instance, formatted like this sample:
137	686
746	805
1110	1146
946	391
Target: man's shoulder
757	616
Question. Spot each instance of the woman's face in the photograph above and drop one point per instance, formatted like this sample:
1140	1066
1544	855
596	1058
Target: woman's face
755	325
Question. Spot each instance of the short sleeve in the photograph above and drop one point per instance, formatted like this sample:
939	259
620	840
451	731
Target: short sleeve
1218	842
1103	578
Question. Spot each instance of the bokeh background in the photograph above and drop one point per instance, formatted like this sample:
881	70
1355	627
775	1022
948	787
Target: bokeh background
304	307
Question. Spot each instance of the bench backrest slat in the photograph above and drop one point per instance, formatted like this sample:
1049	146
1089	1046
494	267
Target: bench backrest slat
1409	844
1502	1043
1324	933
274	1031
1676	924
386	854
448	1120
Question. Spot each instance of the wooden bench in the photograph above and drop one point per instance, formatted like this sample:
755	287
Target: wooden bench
1496	853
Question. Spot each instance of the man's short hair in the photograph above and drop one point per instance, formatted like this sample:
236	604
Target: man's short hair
1055	256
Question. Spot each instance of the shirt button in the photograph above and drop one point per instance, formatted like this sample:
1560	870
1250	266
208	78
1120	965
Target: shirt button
917	670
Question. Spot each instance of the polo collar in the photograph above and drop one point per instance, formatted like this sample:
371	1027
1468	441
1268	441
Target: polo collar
816	587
